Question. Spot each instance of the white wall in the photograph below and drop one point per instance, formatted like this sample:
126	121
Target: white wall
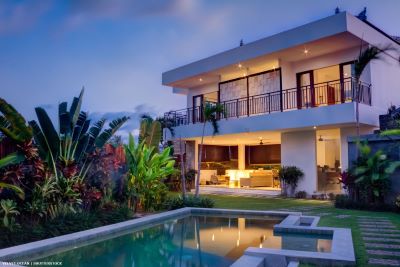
385	79
299	149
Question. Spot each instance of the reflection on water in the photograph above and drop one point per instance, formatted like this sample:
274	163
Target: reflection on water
191	241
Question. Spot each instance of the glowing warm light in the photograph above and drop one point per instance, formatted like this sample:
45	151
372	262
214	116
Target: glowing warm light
345	74
197	245
200	79
305	51
237	242
260	245
239	65
213	237
315	127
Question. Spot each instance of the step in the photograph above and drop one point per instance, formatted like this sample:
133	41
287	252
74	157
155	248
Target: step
383	252
379	245
381	239
384	262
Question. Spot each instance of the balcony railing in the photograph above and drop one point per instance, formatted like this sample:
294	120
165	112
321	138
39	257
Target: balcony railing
310	96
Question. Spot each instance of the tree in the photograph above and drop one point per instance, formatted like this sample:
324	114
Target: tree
211	113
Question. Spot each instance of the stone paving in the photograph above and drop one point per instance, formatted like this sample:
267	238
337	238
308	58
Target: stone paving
381	240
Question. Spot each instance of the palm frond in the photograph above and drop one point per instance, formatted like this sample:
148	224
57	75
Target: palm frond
369	54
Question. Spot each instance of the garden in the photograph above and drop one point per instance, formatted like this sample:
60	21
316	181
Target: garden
58	177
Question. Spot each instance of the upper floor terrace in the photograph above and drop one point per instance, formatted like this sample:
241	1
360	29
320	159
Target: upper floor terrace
307	67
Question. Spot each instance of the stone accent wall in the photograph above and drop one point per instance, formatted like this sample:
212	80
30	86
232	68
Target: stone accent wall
233	90
264	83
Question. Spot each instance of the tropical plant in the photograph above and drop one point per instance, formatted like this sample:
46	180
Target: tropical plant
211	113
369	54
146	169
9	211
290	176
372	172
66	149
14	127
150	132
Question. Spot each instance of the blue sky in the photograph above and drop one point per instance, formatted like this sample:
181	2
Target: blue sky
118	49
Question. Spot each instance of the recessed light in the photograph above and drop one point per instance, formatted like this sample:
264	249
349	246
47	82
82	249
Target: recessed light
315	127
239	65
200	79
306	51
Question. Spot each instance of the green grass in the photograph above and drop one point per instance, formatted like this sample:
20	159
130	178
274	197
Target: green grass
231	202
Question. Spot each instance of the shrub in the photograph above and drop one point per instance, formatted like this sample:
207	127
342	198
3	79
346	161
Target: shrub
301	194
345	202
178	202
290	176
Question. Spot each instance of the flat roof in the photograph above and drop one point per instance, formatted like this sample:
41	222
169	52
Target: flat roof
337	24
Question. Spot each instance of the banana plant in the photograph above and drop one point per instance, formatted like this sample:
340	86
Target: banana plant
146	169
75	138
150	132
14	127
373	170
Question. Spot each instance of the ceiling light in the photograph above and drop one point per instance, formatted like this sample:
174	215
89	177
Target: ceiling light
200	79
239	65
315	127
306	51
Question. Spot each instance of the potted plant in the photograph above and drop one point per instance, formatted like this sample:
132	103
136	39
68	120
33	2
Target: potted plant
290	176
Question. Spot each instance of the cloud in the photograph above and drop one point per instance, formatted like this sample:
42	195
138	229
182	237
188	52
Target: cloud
80	11
22	15
132	125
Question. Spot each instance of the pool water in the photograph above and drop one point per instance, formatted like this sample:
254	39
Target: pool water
190	241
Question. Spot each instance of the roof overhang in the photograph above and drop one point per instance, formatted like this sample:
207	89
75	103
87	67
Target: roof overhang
328	35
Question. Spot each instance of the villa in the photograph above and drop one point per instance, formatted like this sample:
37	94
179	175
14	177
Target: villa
288	100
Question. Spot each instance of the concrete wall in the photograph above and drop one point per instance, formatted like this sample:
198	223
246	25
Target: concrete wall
299	149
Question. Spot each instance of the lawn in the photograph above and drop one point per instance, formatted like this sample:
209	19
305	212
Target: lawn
324	209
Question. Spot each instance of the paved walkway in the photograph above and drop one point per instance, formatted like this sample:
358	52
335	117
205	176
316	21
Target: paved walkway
381	240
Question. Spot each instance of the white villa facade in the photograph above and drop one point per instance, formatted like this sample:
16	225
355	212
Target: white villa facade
288	100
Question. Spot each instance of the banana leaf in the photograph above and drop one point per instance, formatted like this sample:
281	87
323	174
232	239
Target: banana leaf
15	188
76	107
49	132
13	158
114	125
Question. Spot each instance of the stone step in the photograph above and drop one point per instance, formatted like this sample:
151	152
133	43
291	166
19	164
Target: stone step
384	262
386	226
371	218
380	234
364	229
381	239
379	245
383	252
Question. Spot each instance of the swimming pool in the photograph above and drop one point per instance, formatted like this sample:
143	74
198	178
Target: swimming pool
200	240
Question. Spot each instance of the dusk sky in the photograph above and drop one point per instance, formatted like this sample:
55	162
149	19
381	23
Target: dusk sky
118	49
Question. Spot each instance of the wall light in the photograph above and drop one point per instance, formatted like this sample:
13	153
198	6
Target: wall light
306	51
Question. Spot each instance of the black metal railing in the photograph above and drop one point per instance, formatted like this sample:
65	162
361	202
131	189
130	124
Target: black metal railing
310	96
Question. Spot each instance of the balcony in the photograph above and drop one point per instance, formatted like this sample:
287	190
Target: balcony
310	96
